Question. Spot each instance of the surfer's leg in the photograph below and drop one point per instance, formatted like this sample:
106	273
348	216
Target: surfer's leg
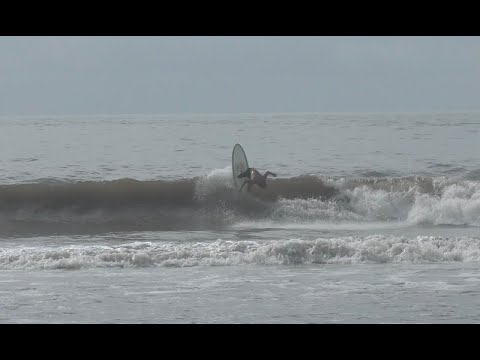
246	181
243	184
269	173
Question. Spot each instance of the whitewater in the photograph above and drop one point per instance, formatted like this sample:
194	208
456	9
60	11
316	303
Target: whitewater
135	218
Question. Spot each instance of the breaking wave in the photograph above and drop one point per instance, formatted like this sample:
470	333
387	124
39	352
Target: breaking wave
212	202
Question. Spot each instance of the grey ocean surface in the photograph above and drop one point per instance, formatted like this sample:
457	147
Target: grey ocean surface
373	218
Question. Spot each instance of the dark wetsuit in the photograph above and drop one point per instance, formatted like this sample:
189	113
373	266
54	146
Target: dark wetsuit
254	177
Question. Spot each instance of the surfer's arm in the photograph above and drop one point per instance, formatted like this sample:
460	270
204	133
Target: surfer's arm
269	173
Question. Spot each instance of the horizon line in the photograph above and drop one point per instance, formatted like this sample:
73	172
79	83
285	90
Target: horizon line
242	113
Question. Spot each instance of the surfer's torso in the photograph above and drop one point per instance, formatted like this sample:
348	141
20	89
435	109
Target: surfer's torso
258	178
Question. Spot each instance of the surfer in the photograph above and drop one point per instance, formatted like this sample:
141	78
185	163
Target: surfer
254	177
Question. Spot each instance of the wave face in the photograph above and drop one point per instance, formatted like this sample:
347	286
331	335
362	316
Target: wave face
341	250
212	202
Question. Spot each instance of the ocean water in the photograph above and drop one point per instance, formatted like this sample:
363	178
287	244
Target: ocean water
373	218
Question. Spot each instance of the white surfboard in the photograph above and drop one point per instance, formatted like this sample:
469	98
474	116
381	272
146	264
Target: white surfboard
239	164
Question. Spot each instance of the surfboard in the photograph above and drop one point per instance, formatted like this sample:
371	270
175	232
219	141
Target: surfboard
239	164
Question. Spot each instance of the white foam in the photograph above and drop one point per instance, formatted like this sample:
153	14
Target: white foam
458	204
312	210
348	249
217	179
379	204
448	203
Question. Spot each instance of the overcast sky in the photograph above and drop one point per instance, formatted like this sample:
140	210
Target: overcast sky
127	75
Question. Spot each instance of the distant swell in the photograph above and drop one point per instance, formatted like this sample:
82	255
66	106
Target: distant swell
212	202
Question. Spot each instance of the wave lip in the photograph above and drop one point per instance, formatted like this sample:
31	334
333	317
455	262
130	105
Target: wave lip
342	250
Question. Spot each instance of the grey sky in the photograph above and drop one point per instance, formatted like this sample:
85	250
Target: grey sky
118	75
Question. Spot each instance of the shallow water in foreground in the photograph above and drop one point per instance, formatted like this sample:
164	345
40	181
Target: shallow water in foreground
378	293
